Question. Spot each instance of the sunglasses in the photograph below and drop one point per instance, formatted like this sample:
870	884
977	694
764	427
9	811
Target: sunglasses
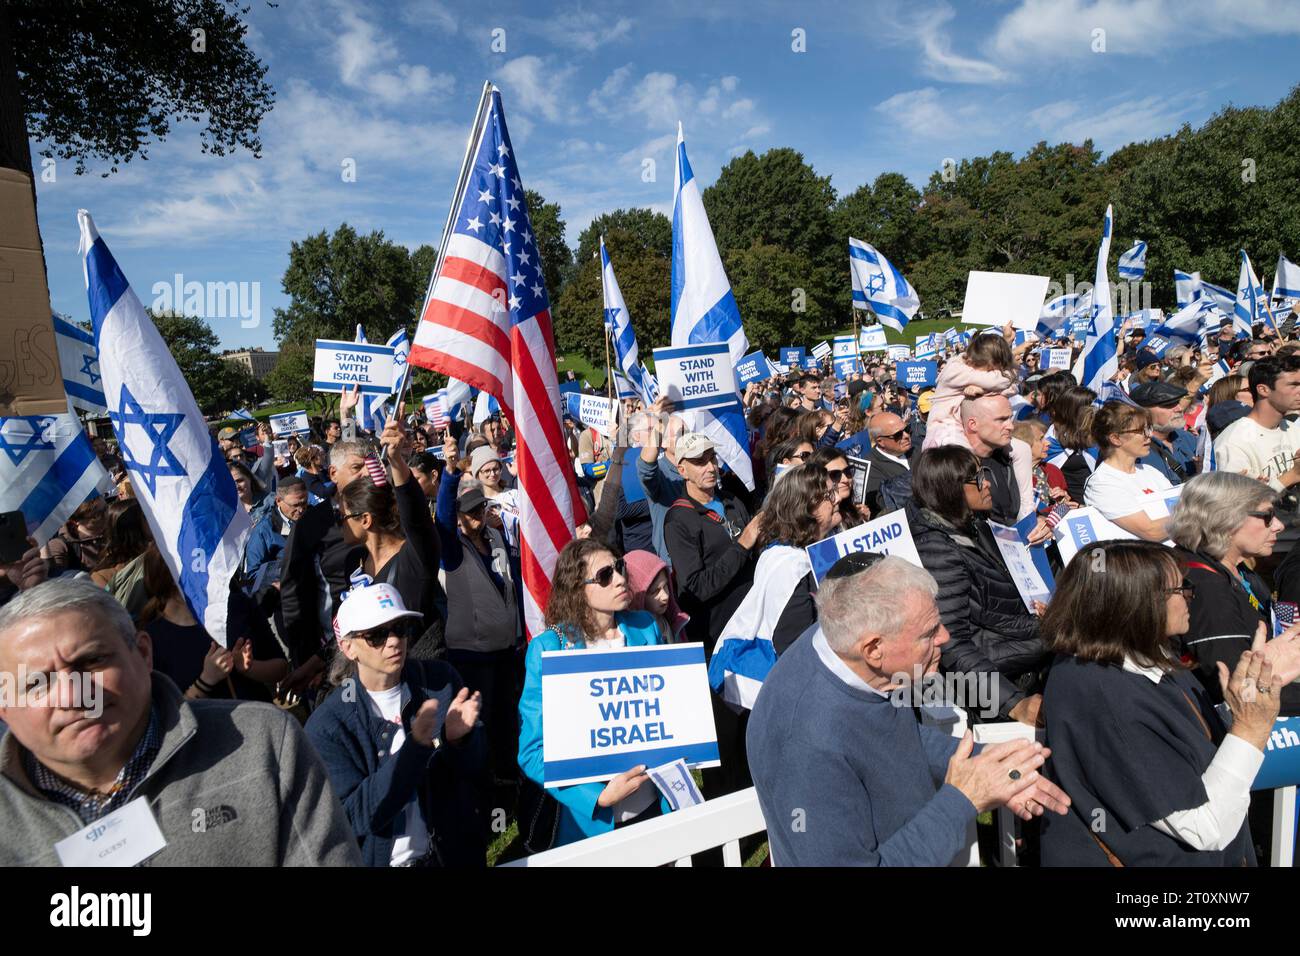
378	636
980	479
1265	516
1186	590
894	437
839	474
801	455
606	574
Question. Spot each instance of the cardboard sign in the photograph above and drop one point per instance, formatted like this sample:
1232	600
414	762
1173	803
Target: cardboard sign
844	347
290	423
608	711
821	350
1163	507
594	411
567	387
872	339
888	534
792	356
696	376
1079	327
996	298
910	374
342	365
1055	358
753	368
1083	526
31	378
898	353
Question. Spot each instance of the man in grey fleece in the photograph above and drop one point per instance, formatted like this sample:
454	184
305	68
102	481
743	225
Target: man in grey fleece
229	783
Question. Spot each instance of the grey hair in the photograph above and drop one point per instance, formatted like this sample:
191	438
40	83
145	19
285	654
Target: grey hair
874	430
869	602
68	594
341	451
1212	507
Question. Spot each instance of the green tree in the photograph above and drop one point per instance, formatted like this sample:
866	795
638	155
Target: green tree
548	234
886	214
783	297
100	81
218	386
652	229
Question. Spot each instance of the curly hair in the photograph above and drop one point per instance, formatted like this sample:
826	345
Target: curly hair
567	610
788	510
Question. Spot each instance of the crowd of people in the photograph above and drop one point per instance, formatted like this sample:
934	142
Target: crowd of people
379	610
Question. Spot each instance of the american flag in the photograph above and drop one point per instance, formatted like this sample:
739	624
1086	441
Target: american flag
435	409
487	322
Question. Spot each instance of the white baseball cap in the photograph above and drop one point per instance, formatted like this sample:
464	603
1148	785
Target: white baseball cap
693	445
370	606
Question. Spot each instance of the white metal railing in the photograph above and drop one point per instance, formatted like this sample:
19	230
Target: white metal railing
666	839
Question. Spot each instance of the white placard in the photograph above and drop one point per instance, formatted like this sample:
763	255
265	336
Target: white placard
124	837
1020	565
696	376
996	298
898	353
1056	358
606	711
594	411
888	534
280	448
1081	527
1163	506
821	350
290	423
342	365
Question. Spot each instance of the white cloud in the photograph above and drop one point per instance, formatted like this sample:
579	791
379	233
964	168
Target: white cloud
368	61
1114	125
580	29
929	114
1064	28
431	14
537	86
611	88
940	62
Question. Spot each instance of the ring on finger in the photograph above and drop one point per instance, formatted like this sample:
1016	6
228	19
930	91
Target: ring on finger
1013	773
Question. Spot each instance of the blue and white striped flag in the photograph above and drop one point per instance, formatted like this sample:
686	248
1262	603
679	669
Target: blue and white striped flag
1286	282
1099	359
619	323
1251	305
485	406
47	469
243	414
80	361
400	343
176	469
675	782
1187	287
704	310
1133	264
1057	313
1186	324
878	286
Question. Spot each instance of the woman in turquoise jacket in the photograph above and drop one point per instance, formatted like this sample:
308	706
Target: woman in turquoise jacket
587	610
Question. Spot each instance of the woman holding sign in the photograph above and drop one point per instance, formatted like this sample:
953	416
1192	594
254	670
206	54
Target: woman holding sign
587	610
992	633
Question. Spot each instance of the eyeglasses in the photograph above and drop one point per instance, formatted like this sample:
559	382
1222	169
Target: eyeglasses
980	479
1264	516
839	474
353	514
606	574
1185	589
1146	431
378	636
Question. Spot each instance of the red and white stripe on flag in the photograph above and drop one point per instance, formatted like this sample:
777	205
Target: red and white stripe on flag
487	322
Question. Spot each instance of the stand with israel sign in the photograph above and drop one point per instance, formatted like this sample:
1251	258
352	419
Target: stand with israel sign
342	365
898	353
821	350
594	411
752	368
696	376
1055	358
290	423
888	534
609	711
792	356
911	374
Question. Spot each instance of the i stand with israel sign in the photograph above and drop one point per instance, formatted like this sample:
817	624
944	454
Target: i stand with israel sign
696	376
888	534
753	368
609	711
342	365
594	411
290	423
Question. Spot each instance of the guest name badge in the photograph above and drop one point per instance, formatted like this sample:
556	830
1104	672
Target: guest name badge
123	838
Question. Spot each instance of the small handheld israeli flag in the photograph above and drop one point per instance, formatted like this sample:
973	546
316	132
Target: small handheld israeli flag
677	785
1133	264
80	361
177	472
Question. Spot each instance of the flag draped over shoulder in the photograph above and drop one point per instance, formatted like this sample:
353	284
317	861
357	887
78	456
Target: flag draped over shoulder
177	472
704	310
486	321
619	323
1099	359
878	286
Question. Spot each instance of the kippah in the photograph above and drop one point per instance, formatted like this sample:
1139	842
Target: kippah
853	563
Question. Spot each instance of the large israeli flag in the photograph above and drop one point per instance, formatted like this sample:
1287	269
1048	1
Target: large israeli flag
1286	282
47	469
1099	360
1133	263
704	310
1251	305
176	469
619	322
80	361
878	286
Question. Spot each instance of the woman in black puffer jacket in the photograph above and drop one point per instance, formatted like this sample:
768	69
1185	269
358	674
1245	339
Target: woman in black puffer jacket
990	630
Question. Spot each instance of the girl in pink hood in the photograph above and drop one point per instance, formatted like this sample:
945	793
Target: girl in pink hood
651	584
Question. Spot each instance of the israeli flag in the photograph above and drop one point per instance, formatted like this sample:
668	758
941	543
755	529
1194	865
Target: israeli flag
652	383
878	286
47	469
1186	324
619	323
1057	313
1133	264
400	343
1187	287
457	394
1251	304
1099	359
371	413
176	469
485	406
704	310
80	361
1286	283
675	782
243	414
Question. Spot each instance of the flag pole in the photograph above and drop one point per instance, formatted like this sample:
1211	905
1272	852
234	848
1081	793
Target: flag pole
462	182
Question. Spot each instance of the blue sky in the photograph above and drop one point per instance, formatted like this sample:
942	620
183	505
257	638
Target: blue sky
592	91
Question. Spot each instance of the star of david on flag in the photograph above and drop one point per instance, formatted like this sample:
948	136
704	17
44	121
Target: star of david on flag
47	469
878	286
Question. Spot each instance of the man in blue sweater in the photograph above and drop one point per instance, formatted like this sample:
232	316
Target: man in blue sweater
845	774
